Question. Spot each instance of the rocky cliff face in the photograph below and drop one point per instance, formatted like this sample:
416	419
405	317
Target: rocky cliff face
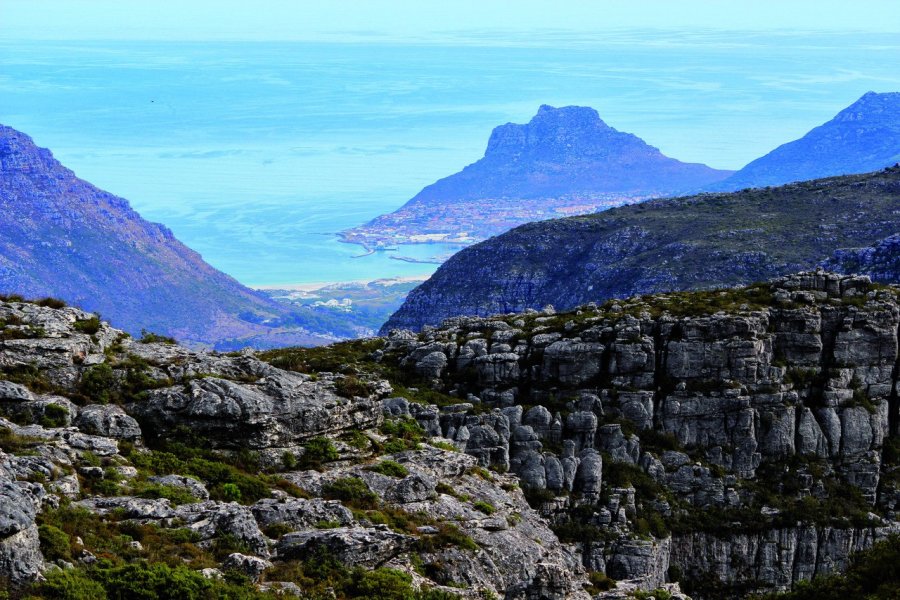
863	137
881	261
697	242
114	452
735	441
62	237
726	442
564	161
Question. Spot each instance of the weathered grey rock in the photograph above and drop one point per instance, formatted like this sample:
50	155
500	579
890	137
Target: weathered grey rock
193	486
364	547
416	487
582	426
777	558
108	420
432	365
301	513
589	475
278	410
13	392
142	509
572	363
251	566
611	440
215	518
21	560
810	439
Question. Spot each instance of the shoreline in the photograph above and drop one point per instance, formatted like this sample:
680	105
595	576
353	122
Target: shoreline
318	285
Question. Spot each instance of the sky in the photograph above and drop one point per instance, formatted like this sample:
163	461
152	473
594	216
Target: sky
413	19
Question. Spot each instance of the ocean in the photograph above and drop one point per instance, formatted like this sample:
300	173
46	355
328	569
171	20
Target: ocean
255	154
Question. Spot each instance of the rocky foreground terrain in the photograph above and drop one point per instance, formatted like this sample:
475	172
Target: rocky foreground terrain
722	443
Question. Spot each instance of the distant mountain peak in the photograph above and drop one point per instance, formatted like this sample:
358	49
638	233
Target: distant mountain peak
872	106
568	130
863	137
564	161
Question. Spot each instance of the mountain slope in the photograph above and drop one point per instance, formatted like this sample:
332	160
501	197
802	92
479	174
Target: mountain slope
63	237
863	137
696	242
564	161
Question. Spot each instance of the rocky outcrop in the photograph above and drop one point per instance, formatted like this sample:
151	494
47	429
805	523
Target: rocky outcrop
20	554
881	262
227	485
717	391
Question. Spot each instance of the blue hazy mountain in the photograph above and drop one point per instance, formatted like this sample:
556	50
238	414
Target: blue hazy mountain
863	137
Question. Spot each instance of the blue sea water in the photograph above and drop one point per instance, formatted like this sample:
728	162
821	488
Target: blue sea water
256	154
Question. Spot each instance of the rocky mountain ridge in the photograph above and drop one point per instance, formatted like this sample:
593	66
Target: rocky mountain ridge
63	237
696	242
863	137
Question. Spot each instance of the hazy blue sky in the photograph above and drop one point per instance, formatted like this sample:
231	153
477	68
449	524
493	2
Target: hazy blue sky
295	19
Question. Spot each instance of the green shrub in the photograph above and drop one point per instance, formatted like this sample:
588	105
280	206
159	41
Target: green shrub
352	490
485	507
538	496
351	386
54	416
318	450
231	492
444	445
357	439
600	582
148	337
288	460
98	384
16	444
55	543
70	584
51	302
380	584
390	468
447	535
175	494
88	326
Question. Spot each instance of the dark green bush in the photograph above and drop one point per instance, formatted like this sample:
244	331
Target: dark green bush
148	337
51	302
70	584
485	507
317	451
88	326
352	490
54	416
98	384
390	468
177	495
351	386
55	543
